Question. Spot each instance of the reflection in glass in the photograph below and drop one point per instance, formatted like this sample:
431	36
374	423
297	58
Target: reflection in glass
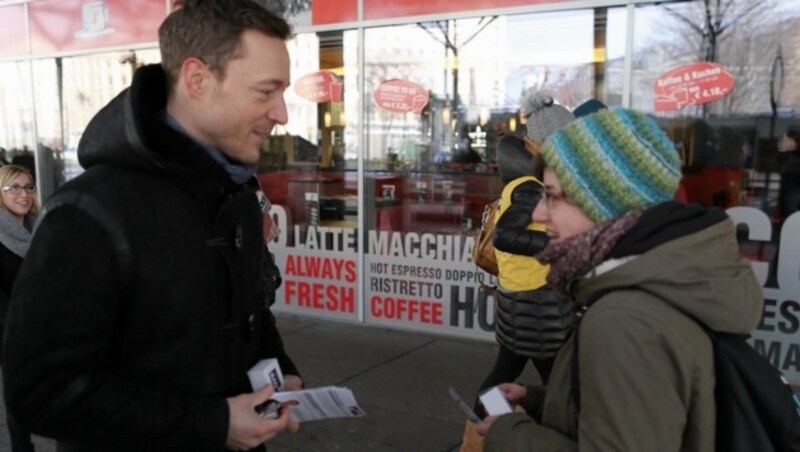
439	162
17	129
308	166
729	147
69	92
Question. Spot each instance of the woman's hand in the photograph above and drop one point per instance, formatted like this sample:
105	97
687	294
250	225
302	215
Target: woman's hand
514	393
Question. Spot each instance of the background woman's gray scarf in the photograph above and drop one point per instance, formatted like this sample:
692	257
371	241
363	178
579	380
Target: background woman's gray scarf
13	235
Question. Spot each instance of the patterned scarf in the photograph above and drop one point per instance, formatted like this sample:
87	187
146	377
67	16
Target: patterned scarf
578	255
14	235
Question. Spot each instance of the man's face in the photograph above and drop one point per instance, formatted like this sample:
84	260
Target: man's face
239	111
556	211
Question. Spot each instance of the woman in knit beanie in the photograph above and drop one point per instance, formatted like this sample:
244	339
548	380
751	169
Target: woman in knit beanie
650	270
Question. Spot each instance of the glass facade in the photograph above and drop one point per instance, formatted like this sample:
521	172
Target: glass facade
309	173
17	119
730	145
379	180
442	97
68	91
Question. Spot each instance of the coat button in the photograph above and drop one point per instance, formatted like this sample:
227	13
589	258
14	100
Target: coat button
252	322
238	240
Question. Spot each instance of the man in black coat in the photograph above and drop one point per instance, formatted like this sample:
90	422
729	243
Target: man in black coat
138	310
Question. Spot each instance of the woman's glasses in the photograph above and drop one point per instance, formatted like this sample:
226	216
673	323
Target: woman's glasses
551	197
17	189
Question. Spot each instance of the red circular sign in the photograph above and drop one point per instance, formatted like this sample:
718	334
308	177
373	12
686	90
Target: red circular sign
693	84
322	86
401	96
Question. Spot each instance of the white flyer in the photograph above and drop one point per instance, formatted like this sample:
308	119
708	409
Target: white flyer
321	403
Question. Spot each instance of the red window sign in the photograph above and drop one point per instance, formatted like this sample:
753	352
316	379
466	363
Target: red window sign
322	86
64	25
382	9
12	31
401	96
327	12
694	84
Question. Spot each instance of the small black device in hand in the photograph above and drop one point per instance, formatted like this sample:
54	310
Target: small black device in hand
270	409
464	407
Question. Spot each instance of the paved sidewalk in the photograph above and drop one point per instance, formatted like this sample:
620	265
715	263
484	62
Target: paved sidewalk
399	378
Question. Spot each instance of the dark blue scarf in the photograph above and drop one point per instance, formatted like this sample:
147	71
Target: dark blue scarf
239	172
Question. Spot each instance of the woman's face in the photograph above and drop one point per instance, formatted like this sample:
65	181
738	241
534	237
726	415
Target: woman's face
562	218
18	204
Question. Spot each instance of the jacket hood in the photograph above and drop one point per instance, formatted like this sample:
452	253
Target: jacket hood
131	132
513	160
689	257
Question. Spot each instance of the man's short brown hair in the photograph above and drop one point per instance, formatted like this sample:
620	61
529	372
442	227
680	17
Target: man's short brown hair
210	30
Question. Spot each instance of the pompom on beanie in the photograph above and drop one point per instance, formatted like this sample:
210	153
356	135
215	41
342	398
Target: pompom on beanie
543	115
612	162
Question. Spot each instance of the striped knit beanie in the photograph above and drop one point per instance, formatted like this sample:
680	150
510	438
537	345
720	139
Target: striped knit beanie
612	162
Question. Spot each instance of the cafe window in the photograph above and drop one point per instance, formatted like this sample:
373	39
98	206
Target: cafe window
69	91
441	95
17	128
444	92
308	172
723	83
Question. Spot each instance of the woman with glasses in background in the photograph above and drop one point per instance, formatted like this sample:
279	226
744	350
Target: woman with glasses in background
18	211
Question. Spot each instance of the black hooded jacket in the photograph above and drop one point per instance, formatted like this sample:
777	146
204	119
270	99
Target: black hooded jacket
138	308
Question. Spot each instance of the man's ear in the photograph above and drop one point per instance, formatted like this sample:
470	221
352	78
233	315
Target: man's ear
194	77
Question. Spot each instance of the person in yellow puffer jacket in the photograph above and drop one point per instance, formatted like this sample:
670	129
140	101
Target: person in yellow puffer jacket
531	320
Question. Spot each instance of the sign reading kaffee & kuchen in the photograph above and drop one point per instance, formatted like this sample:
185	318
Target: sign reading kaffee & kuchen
693	84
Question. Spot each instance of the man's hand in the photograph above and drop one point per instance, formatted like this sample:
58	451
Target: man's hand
292	383
246	429
787	144
271	230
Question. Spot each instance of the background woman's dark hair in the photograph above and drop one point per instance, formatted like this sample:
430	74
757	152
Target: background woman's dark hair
515	159
538	166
